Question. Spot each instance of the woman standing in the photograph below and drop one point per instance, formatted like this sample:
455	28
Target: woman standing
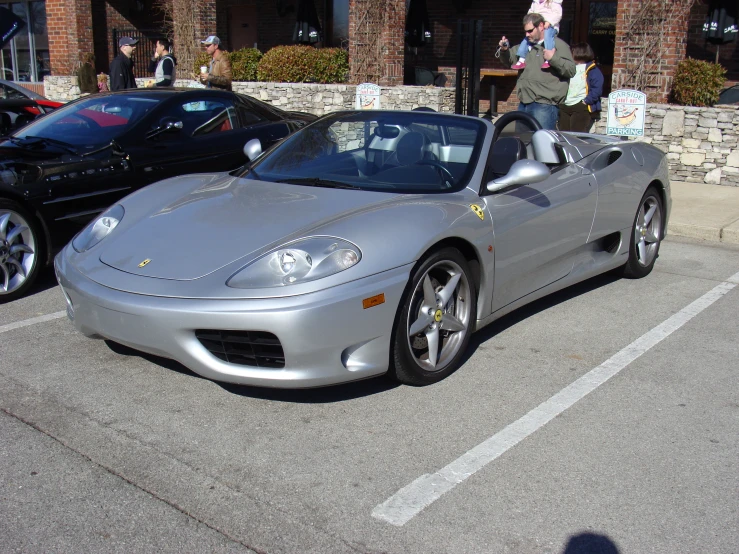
582	104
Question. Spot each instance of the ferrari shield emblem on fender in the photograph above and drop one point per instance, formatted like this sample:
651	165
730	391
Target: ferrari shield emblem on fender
478	211
146	261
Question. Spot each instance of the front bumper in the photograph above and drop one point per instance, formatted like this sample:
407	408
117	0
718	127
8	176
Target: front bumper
327	336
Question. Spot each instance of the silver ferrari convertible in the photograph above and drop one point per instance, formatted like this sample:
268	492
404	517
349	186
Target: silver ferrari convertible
368	242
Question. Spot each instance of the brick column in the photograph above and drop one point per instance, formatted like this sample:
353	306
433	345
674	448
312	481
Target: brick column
651	38
376	41
69	27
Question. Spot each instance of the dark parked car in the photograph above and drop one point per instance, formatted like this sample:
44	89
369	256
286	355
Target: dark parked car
58	171
14	114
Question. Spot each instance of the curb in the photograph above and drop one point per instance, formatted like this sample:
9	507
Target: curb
725	235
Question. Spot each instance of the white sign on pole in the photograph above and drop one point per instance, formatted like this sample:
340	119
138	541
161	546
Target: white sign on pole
626	111
368	97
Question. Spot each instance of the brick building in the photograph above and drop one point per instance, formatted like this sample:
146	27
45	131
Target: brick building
61	32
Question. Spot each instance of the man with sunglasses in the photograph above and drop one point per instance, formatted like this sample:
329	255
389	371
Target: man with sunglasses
539	90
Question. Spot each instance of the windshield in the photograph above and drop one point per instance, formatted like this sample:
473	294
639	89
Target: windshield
408	152
92	122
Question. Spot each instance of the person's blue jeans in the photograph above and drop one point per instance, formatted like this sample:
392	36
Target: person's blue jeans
549	35
545	114
524	48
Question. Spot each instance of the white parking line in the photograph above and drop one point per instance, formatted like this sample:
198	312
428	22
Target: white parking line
411	499
32	321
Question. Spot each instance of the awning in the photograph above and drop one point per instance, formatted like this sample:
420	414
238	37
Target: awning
417	27
721	25
10	25
307	27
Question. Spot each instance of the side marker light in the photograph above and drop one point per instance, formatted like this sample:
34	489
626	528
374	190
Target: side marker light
373	301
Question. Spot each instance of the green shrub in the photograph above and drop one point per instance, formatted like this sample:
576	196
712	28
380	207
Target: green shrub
331	65
304	64
244	64
697	83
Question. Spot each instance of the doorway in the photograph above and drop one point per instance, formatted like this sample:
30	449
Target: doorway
595	23
242	27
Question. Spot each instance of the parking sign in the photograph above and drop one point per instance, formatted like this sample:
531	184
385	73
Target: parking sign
626	109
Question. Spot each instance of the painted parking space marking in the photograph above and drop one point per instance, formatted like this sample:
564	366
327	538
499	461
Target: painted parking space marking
32	321
413	498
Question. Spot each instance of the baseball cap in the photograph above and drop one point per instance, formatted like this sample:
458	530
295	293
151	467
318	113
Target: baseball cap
212	39
126	41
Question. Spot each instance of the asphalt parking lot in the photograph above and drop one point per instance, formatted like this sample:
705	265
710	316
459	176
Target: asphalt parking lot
601	419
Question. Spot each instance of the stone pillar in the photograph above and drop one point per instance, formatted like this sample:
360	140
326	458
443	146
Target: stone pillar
377	41
651	37
69	27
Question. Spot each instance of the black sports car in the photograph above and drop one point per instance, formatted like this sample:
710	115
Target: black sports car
58	171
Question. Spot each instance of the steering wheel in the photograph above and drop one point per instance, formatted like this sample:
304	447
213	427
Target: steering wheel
507	118
442	170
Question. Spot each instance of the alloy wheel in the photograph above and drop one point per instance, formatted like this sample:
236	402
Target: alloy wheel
440	315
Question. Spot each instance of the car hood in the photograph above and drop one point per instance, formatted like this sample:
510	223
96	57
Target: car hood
220	222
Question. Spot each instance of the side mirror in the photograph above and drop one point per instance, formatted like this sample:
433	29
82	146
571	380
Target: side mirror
253	149
522	172
166	125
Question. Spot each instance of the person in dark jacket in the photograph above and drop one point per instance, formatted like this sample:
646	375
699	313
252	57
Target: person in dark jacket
582	105
121	68
162	64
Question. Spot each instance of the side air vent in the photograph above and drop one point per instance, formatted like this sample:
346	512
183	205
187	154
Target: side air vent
251	348
613	155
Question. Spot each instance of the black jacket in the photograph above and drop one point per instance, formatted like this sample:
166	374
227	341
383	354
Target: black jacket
121	73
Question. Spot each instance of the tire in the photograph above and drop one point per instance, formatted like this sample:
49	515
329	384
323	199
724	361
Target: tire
646	235
443	275
20	250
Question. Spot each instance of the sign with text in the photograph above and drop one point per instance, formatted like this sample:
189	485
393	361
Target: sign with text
626	110
368	97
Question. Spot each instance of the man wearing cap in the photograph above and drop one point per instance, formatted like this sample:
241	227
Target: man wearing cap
219	72
121	68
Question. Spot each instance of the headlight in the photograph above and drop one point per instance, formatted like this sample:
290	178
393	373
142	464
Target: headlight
98	229
299	262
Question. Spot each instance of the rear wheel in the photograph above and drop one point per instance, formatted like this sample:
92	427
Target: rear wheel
19	251
646	235
435	319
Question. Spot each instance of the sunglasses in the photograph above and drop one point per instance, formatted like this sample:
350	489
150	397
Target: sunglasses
529	31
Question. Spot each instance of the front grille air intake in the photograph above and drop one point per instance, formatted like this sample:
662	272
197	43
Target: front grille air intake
253	348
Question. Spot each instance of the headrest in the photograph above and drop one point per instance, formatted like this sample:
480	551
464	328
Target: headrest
543	142
410	148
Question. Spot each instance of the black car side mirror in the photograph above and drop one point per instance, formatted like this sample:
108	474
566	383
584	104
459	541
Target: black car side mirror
166	125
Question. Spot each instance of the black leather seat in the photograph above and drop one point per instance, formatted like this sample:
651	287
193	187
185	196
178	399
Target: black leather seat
506	152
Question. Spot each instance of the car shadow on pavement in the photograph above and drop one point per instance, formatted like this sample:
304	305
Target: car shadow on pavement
322	395
549	301
46	280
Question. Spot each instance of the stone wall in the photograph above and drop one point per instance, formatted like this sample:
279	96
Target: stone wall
702	144
306	97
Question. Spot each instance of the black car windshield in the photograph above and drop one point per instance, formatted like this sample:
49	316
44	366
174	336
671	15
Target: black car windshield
94	121
408	152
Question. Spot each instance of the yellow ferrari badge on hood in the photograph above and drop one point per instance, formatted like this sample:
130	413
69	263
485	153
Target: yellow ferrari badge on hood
478	211
146	261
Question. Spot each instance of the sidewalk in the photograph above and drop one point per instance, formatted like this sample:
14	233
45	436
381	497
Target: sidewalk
709	212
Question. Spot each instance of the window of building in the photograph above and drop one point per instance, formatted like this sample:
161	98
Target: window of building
26	56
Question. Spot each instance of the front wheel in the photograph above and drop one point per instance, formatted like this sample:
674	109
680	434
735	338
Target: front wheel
435	319
19	251
646	236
